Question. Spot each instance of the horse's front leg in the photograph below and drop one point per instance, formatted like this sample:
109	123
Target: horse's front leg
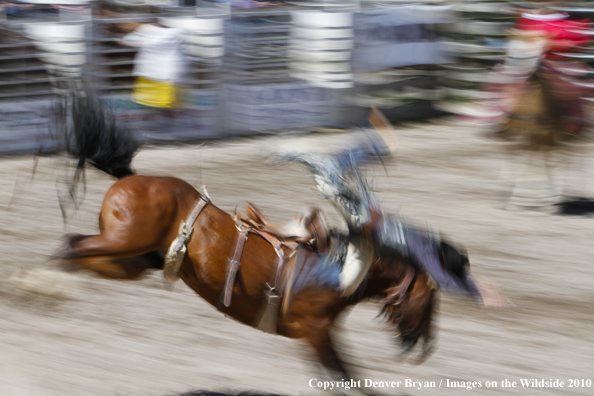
328	357
323	345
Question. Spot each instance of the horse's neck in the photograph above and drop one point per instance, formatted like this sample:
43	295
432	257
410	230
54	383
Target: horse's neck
384	275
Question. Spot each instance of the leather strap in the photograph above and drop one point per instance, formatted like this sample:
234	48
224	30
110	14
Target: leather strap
175	255
188	226
278	247
234	265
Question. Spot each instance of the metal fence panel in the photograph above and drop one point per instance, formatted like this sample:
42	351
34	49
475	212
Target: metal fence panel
252	70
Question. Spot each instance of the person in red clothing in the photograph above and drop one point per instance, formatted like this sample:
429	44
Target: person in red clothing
562	33
535	98
541	53
554	89
563	76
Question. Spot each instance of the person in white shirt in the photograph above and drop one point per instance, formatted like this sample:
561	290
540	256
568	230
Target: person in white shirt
159	66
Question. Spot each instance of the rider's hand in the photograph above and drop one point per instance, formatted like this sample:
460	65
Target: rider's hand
492	295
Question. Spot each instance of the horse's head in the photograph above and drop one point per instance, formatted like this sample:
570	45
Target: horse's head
411	307
454	259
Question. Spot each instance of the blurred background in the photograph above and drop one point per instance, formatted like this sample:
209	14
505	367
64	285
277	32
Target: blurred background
253	66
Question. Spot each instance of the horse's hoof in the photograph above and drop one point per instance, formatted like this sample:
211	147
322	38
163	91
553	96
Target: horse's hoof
407	346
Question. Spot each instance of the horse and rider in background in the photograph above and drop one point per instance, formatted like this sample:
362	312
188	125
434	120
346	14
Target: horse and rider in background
537	96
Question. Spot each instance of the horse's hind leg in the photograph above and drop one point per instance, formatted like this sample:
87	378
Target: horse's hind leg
117	246
124	268
109	257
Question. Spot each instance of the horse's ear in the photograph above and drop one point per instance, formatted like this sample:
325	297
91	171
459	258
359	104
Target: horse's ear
455	259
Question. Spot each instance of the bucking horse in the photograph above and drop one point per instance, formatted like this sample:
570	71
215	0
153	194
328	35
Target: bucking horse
293	279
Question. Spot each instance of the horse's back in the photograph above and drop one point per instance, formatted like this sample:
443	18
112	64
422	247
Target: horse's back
151	190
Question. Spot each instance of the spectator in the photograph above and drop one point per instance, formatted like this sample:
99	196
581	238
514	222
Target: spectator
159	66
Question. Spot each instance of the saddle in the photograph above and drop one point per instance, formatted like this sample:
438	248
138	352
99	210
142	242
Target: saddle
298	244
310	228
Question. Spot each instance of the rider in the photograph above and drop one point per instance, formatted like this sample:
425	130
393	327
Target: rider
564	37
543	41
337	178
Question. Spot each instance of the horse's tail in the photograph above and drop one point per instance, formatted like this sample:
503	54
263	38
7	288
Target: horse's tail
96	138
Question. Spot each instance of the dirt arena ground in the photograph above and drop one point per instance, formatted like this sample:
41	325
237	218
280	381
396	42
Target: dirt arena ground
110	338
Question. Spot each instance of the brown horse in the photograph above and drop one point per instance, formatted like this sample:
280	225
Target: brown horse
546	123
141	216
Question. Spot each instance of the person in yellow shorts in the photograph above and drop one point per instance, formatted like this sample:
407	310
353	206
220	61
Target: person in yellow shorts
159	66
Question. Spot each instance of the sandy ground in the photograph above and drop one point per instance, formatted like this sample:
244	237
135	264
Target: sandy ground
112	338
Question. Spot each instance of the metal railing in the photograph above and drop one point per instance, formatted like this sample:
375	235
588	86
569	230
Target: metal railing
251	71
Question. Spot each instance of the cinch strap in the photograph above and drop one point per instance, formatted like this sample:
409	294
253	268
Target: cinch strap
234	265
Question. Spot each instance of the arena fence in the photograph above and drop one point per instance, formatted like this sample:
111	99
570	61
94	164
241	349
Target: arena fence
253	71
